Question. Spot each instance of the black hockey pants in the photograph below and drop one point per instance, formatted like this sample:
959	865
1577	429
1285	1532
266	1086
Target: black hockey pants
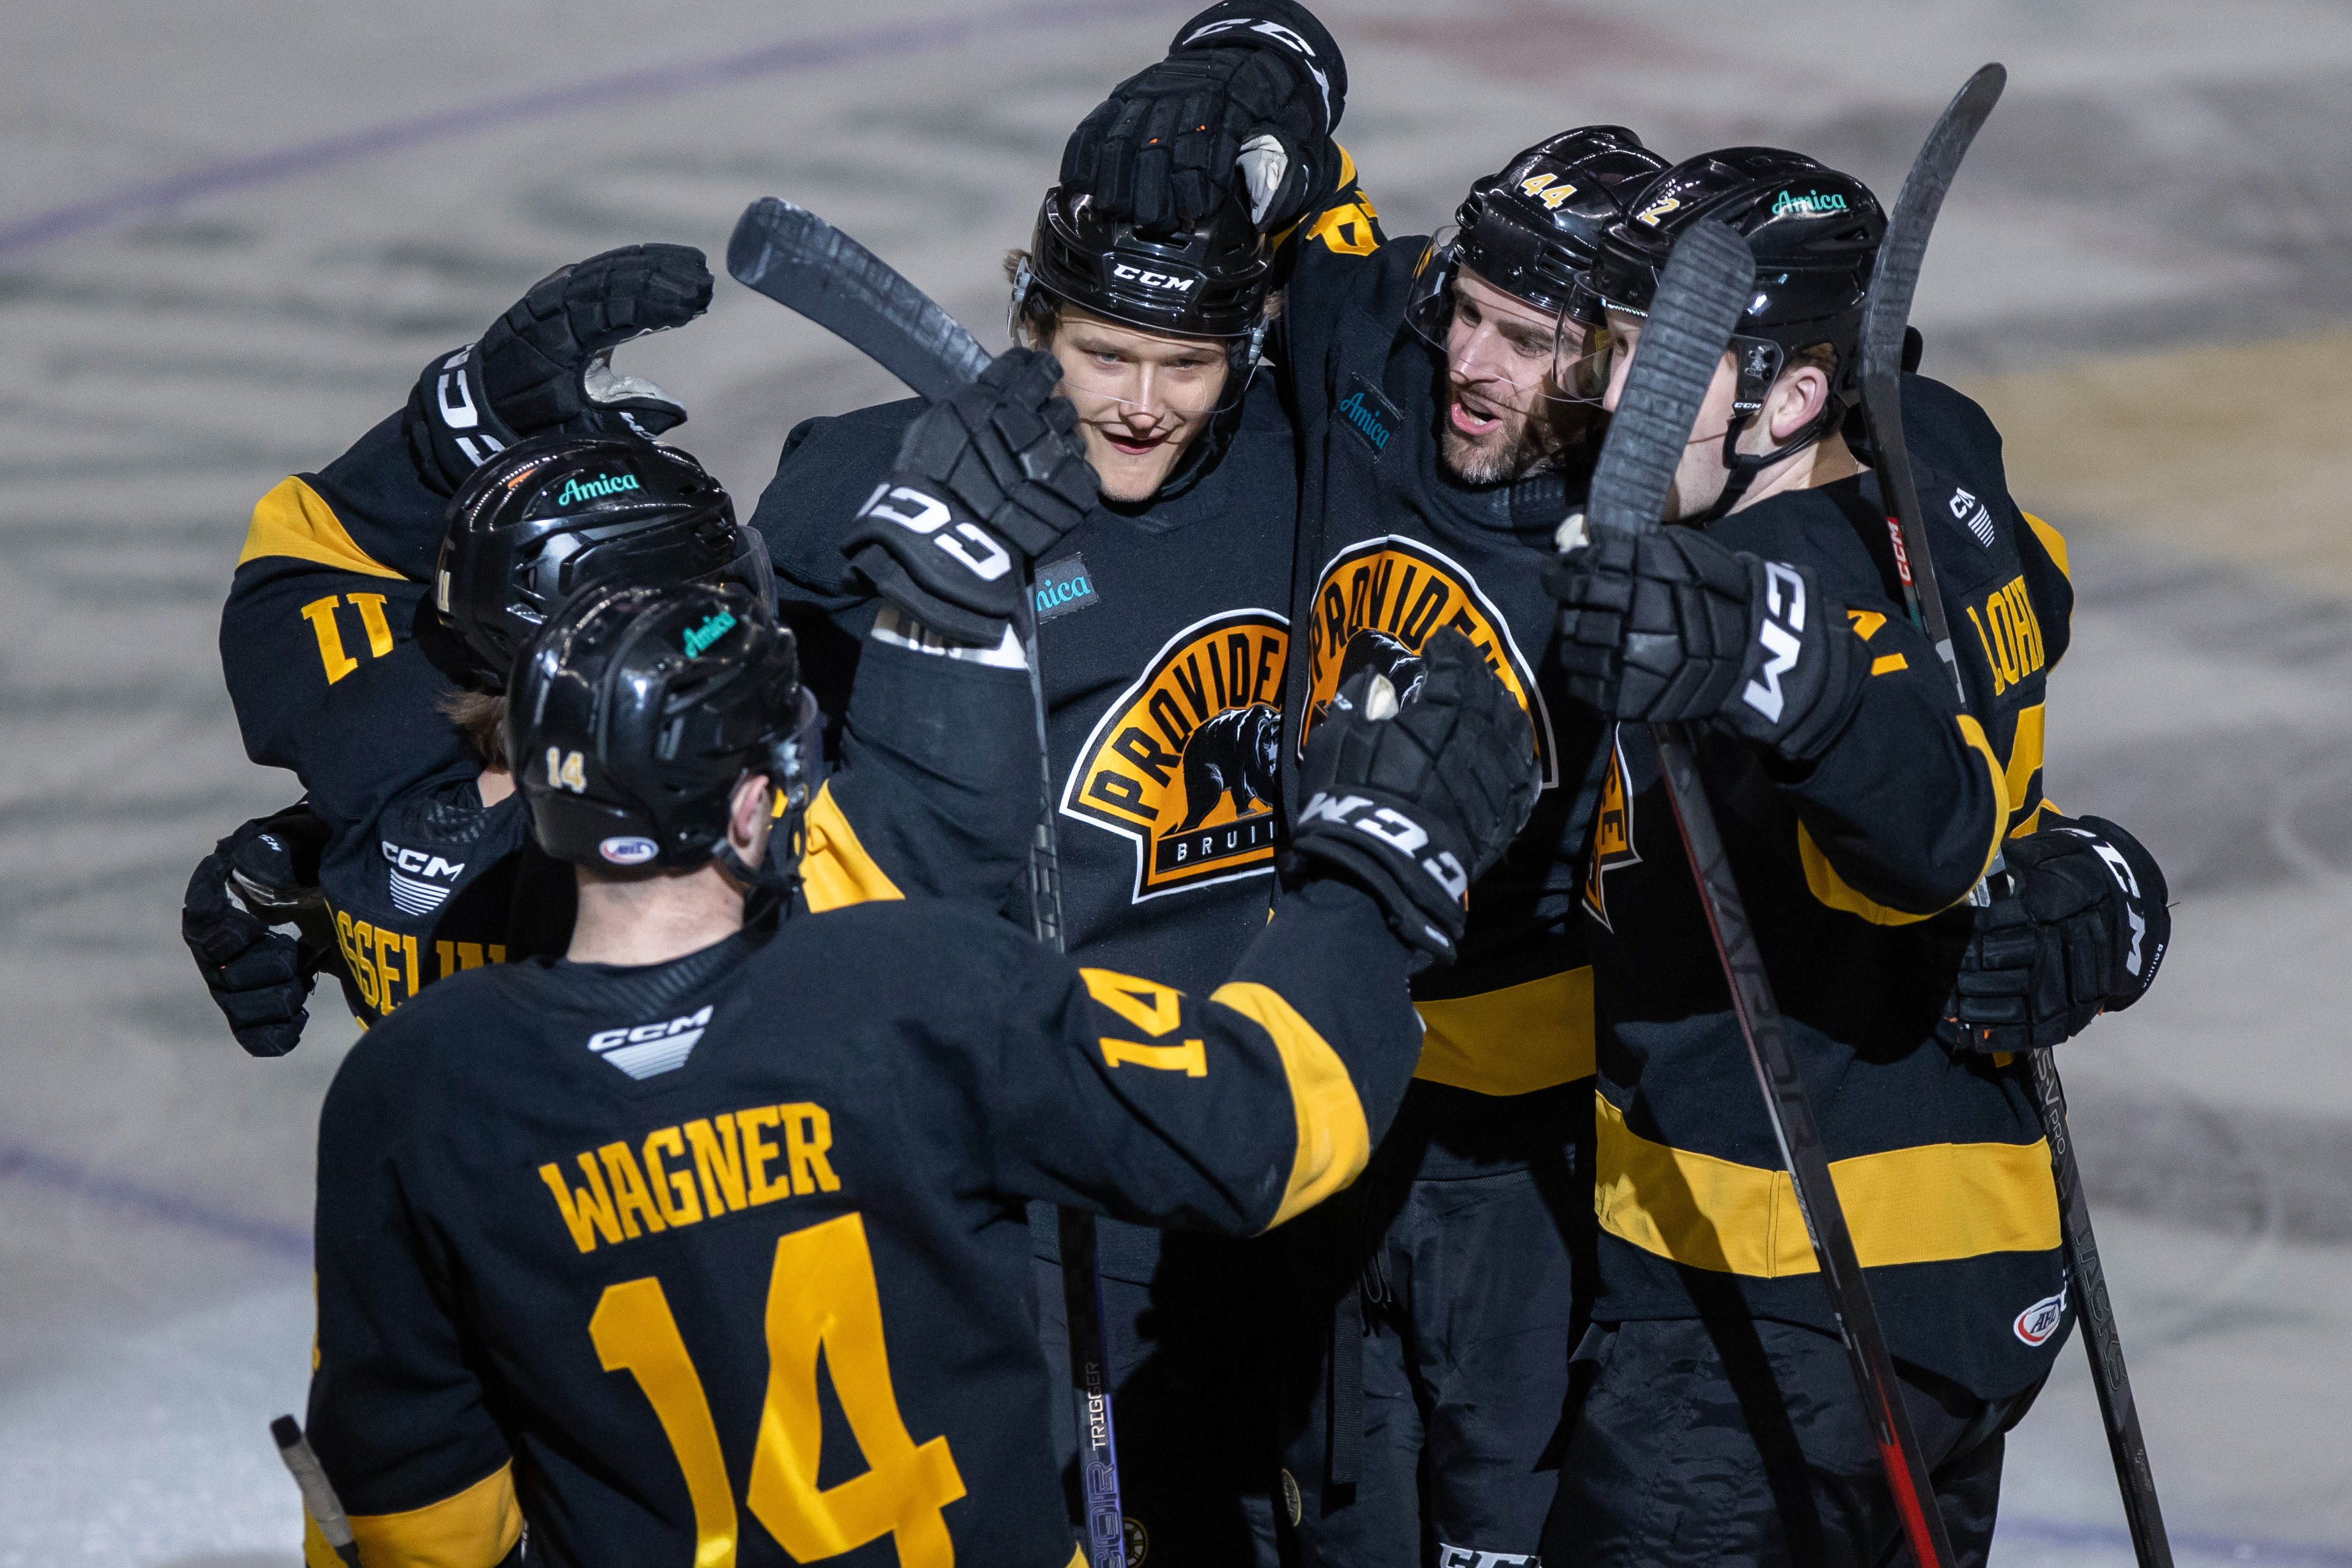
1743	1443
1452	1338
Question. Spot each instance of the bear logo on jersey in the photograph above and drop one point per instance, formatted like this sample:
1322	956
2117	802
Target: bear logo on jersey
1377	603
1183	763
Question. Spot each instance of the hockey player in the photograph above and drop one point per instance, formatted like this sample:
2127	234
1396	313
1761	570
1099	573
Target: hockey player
543	1300
1859	805
1163	633
1443	440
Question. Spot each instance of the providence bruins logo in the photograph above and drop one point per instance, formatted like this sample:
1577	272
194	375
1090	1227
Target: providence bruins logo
1377	603
1613	832
1183	763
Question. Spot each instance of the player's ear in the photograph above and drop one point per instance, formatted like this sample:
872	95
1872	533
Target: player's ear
749	816
1795	402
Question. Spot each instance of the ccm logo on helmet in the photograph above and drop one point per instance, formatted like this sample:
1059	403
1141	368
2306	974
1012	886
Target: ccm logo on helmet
1120	270
1784	608
628	849
1394	828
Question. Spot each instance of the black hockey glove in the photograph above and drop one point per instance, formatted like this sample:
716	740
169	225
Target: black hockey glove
1244	106
984	483
259	977
1671	625
1414	801
2079	930
546	364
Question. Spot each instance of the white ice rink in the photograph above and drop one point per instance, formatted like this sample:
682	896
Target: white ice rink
232	231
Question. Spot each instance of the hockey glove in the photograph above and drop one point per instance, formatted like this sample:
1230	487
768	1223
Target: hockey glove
1671	625
1413	800
259	977
1244	106
546	364
2080	931
985	482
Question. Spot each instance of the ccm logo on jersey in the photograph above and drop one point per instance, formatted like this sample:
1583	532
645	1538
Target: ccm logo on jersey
1394	828
421	881
928	516
2038	1322
1153	280
1967	510
1784	611
647	1049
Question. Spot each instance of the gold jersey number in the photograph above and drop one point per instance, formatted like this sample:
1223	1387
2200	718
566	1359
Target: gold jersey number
822	1295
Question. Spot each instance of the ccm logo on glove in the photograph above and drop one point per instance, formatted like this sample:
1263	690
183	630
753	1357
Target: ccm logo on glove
1394	828
989	562
2122	872
1780	634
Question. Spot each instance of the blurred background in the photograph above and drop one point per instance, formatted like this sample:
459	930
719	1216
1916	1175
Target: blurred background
233	231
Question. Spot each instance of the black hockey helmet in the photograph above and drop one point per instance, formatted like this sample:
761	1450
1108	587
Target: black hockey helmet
1815	235
638	710
1211	282
1814	232
1531	230
557	513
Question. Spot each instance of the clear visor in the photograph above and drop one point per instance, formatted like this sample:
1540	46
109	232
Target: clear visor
1188	377
800	757
1539	357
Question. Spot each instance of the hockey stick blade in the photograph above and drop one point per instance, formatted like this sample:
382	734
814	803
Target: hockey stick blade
1700	296
803	263
1886	311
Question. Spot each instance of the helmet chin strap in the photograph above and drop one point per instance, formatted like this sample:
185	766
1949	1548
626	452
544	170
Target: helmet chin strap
1745	466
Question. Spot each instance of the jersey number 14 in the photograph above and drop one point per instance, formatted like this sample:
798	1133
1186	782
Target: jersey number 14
822	1295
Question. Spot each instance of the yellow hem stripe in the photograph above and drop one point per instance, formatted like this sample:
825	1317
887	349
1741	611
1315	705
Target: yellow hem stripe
1516	1040
1931	1203
1334	1141
295	520
474	1529
835	869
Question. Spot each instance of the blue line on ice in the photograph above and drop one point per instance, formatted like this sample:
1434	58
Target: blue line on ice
284	1241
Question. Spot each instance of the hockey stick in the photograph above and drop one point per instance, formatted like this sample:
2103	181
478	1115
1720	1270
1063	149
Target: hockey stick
318	1492
1887	312
803	263
1700	296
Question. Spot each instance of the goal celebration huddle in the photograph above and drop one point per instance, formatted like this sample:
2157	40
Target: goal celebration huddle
1376	900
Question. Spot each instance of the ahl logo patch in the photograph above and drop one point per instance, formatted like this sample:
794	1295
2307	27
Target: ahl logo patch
1183	763
1369	413
1612	831
2038	1322
1063	589
1377	603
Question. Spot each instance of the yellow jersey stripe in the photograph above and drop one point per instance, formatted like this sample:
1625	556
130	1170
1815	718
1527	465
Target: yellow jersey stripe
474	1529
1334	1141
1516	1040
835	869
295	520
1822	879
1932	1204
2053	541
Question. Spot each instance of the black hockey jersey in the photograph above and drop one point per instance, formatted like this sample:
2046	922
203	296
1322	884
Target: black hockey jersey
319	645
544	1295
1855	875
1394	546
1163	636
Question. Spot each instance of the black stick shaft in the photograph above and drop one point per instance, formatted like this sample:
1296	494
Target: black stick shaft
1790	1110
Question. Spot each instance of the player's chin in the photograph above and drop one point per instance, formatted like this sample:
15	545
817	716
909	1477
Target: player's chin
1128	470
1480	459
